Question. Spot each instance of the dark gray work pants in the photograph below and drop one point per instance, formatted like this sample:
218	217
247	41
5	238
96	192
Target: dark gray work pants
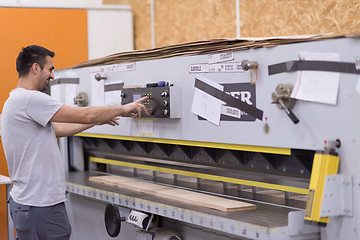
40	223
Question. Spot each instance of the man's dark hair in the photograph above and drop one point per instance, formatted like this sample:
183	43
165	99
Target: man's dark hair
30	55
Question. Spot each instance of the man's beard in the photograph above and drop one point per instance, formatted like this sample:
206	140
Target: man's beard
46	88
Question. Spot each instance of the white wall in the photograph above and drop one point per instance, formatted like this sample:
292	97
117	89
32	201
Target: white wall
109	31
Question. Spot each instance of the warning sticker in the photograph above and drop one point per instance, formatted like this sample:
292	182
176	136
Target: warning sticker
244	92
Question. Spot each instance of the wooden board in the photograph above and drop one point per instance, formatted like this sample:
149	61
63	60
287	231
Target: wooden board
185	196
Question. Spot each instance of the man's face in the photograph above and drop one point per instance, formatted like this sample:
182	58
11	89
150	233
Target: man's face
46	74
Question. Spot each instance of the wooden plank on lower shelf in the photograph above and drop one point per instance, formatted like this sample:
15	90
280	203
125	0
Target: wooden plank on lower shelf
172	193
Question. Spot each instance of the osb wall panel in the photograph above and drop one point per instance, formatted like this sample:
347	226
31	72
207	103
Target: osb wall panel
260	18
179	21
142	20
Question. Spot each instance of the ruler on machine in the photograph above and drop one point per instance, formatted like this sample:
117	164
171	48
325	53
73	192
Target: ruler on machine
221	224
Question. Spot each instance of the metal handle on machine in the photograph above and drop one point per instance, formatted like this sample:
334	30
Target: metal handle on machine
281	97
288	112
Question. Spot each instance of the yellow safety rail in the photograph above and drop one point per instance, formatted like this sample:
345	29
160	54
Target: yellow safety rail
202	175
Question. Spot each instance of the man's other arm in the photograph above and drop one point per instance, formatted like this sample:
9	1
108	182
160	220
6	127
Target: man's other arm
68	120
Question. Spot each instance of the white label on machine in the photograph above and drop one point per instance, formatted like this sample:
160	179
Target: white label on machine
226	68
145	127
205	105
216	68
220	57
198	68
120	67
317	86
231	111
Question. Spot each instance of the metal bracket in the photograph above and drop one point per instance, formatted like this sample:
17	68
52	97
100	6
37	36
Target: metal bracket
338	196
81	99
297	226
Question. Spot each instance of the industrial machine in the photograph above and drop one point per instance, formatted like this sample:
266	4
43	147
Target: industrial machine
272	122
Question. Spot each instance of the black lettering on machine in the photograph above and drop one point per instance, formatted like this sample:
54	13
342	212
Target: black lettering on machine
246	93
195	68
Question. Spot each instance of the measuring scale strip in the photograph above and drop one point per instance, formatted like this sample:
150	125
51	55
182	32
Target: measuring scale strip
221	224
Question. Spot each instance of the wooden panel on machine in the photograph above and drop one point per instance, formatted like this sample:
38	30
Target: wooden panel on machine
185	196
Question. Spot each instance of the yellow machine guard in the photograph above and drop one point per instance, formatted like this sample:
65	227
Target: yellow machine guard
324	164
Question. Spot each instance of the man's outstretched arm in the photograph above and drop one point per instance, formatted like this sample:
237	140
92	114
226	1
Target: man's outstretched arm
70	129
74	119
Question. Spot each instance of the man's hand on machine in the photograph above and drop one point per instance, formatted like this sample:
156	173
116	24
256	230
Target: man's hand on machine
134	109
112	122
129	110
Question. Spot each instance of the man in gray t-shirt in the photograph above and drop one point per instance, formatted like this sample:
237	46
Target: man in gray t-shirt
31	121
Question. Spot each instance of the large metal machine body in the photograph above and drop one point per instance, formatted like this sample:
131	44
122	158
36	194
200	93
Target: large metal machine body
274	134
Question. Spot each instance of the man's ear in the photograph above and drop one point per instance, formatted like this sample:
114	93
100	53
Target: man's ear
35	68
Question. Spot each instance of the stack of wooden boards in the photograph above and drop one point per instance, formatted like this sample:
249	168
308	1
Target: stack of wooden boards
184	196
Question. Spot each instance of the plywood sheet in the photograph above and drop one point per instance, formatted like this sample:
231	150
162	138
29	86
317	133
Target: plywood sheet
260	18
185	196
180	21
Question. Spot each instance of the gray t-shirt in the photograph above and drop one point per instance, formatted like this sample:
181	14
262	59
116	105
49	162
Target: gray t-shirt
31	150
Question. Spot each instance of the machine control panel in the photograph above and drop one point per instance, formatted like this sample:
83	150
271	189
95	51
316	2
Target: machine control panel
162	102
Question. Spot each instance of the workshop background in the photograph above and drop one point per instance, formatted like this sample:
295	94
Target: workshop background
157	23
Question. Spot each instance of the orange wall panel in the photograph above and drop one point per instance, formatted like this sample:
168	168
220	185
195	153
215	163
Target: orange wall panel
63	31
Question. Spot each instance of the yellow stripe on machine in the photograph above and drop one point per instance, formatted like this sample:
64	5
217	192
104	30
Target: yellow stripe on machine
202	175
273	150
